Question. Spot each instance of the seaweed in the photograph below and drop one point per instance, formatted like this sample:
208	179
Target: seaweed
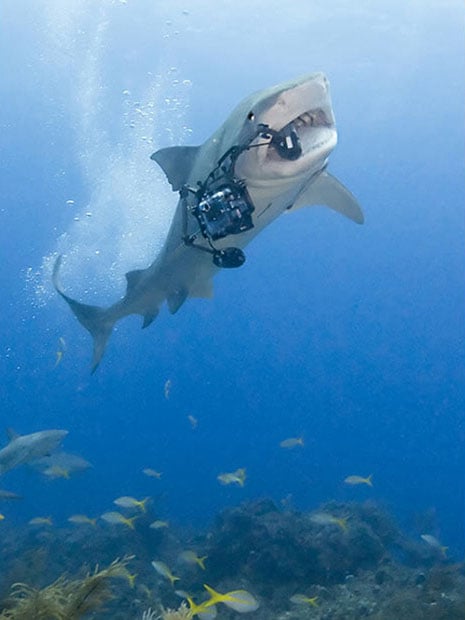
64	599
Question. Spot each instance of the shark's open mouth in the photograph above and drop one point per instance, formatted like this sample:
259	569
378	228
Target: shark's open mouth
294	139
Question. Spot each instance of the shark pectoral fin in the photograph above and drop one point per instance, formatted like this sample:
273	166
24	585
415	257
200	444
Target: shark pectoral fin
149	318
176	299
327	190
202	289
177	163
93	318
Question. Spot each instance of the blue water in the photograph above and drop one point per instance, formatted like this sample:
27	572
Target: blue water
353	337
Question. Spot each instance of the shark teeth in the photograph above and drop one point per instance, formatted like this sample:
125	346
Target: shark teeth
311	119
305	119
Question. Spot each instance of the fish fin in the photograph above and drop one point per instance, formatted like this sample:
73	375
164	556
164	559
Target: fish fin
176	299
327	190
11	434
202	289
177	163
149	318
93	318
133	278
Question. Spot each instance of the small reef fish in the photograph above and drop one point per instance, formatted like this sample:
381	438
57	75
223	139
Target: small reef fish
292	442
235	477
326	518
55	471
60	351
163	570
158	525
41	521
354	480
239	600
82	520
2	517
167	388
131	578
116	518
9	495
193	421
301	599
131	502
190	557
203	611
433	542
152	473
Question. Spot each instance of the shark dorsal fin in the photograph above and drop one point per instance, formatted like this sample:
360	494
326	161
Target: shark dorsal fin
133	278
327	190
11	434
177	163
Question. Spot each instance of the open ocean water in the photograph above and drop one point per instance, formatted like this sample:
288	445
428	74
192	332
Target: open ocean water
349	337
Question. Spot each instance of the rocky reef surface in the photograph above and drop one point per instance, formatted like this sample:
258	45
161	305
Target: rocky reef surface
343	561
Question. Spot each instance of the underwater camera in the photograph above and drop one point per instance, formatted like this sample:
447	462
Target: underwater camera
224	211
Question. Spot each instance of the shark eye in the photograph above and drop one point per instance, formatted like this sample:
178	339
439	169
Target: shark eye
250	116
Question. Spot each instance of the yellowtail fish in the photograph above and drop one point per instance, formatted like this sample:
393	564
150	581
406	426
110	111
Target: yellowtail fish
433	542
354	480
163	570
190	557
145	590
239	600
41	521
167	388
203	611
193	421
301	599
116	518
326	518
131	502
235	477
152	473
158	525
55	471
292	442
60	351
8	495
131	578
82	520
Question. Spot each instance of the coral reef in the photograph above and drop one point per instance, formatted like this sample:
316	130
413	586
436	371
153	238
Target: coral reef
350	559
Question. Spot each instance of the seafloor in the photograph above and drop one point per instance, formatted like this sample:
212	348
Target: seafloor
360	566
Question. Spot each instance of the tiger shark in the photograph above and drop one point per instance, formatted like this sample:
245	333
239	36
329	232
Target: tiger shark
269	157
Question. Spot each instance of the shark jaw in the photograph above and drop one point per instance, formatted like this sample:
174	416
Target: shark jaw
299	110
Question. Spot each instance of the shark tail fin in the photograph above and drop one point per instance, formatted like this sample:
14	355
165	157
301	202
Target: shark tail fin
93	318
